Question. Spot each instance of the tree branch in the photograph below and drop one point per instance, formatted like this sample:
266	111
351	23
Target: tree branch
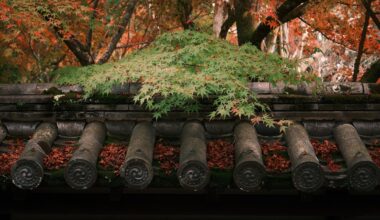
91	28
227	24
75	46
289	10
367	5
224	17
324	35
244	20
185	9
120	31
373	73
361	46
146	43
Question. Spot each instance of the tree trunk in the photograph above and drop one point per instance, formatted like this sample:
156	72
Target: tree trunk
28	171
244	20
120	31
362	172
367	5
193	172
227	24
185	9
224	18
288	11
372	74
249	171
307	174
81	172
91	26
82	52
270	43
76	47
283	41
361	47
137	169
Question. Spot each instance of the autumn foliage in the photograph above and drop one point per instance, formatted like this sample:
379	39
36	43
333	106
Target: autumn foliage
13	151
325	151
374	151
275	156
58	157
38	37
220	154
112	157
167	156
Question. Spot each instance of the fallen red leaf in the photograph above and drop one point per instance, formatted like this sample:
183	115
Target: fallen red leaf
167	156
325	150
58	157
274	158
220	154
7	159
112	157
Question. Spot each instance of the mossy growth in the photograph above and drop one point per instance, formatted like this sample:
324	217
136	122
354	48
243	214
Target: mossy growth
184	67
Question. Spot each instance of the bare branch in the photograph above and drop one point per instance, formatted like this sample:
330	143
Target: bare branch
120	31
75	46
222	13
185	9
367	5
91	28
146	43
325	35
289	10
227	24
361	47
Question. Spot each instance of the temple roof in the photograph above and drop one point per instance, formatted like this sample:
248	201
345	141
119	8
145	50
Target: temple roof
331	143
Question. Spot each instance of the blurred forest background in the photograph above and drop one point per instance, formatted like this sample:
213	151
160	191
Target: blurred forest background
338	40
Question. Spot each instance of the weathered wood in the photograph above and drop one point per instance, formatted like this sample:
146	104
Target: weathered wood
307	174
3	132
81	172
249	171
193	172
362	173
28	171
137	168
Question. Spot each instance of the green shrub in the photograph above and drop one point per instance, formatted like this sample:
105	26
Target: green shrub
184	67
